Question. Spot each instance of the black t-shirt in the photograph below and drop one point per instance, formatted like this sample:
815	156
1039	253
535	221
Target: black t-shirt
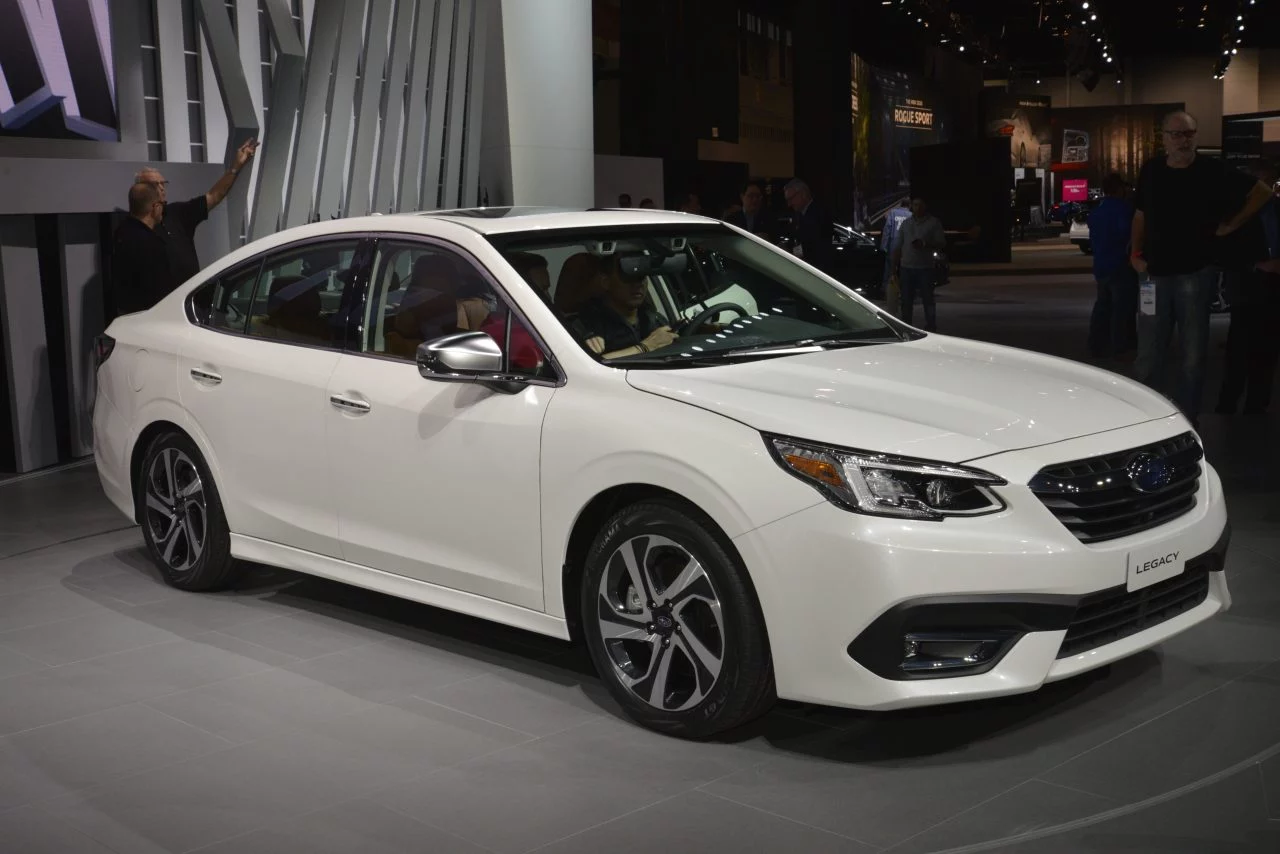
598	319
178	230
1182	209
140	273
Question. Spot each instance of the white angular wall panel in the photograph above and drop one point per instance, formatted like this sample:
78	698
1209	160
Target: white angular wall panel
380	105
547	56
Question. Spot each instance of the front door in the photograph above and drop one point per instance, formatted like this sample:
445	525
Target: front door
438	481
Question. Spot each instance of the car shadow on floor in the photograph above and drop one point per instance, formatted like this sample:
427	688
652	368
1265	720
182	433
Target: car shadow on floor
1126	690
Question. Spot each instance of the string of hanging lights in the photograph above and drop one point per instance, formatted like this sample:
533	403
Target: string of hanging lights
1233	36
949	30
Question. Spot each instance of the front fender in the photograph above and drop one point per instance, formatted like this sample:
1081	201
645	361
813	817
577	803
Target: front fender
595	442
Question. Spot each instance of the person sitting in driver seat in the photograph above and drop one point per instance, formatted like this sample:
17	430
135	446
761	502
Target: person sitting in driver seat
622	317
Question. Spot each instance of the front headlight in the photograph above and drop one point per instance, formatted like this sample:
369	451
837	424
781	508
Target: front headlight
882	485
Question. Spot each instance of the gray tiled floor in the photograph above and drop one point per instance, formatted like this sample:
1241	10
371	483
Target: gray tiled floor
296	714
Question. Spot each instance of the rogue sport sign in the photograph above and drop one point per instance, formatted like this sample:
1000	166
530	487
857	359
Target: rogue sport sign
913	114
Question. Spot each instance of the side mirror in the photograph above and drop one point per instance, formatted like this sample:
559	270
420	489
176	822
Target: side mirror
467	357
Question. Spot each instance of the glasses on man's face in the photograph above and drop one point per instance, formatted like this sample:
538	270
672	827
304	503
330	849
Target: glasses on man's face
1181	134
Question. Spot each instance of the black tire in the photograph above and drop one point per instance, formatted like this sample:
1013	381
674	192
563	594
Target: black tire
190	543
743	689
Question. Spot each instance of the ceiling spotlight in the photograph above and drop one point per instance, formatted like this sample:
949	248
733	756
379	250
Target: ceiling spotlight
1085	4
962	48
1108	59
1093	17
1234	50
1239	17
1242	28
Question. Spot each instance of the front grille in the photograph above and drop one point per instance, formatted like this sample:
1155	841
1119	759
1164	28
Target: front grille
1111	615
1097	501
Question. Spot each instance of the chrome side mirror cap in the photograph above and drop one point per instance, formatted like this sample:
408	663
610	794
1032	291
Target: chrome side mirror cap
467	357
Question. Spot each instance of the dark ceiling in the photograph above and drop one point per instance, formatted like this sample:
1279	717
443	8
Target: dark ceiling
1033	37
1029	38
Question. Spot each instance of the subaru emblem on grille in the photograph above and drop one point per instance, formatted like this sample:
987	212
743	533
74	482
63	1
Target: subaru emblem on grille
1149	473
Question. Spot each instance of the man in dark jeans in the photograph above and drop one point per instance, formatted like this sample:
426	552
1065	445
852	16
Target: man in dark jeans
1185	202
1113	329
1253	347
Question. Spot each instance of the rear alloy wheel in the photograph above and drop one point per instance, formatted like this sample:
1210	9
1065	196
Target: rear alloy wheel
181	516
674	630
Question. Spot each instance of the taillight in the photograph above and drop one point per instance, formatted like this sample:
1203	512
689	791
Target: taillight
103	345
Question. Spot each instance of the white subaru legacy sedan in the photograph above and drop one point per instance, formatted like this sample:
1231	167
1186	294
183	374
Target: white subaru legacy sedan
729	475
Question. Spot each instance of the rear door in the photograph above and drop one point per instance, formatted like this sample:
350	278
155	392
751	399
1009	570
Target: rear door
254	378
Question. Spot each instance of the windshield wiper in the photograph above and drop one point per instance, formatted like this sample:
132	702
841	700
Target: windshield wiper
855	340
717	357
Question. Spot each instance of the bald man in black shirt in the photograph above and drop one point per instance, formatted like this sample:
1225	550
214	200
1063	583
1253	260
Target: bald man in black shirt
176	227
140	272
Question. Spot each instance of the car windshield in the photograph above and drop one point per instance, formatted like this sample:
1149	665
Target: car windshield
664	296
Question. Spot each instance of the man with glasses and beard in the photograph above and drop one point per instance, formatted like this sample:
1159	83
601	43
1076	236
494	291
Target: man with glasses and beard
175	226
1185	205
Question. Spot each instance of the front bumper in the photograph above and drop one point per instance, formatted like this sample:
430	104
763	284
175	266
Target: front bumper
840	590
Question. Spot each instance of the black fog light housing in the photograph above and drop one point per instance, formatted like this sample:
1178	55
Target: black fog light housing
952	652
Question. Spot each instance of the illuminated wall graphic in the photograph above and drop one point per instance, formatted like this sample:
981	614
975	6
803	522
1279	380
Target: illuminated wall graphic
57	79
893	112
1025	121
1091	142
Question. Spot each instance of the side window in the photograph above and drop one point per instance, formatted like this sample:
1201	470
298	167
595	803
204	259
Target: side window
419	293
299	297
224	302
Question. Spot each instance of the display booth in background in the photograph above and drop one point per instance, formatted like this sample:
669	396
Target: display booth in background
966	185
1024	120
894	112
1250	137
1089	143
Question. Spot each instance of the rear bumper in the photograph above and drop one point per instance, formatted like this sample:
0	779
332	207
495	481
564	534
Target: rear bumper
111	455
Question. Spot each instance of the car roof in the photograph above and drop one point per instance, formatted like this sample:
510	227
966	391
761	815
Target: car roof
507	220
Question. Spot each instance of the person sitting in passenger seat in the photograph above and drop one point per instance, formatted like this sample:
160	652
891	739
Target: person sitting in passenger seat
533	268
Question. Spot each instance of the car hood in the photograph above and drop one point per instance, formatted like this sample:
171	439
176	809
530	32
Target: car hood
938	398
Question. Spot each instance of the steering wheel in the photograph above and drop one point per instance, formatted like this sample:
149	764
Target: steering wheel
702	317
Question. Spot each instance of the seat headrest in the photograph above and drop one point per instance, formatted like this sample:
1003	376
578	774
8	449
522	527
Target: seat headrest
580	280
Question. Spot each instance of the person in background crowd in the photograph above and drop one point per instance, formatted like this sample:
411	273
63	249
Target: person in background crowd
692	204
624	201
813	227
892	222
1113	329
752	216
914	259
1253	345
181	219
140	265
1184	204
647	204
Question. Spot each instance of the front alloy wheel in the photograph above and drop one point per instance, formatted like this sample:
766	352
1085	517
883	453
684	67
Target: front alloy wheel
661	622
672	623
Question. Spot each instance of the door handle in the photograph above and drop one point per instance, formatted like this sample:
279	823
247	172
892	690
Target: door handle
206	377
348	404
